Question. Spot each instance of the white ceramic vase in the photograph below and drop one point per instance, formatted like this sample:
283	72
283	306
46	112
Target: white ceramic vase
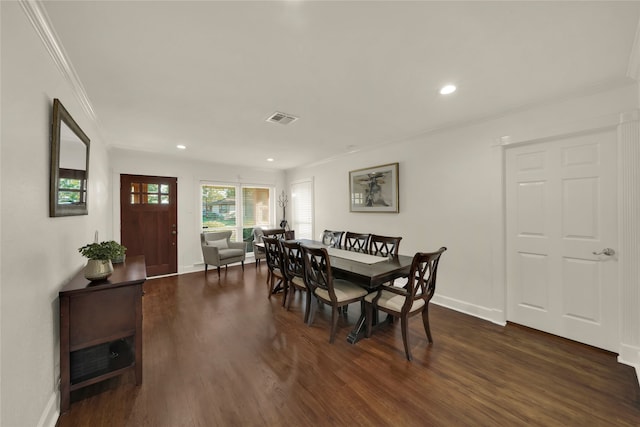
98	269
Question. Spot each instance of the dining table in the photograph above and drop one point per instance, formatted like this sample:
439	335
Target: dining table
366	270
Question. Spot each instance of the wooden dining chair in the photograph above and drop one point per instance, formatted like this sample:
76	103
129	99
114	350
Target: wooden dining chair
383	245
356	241
320	281
273	254
293	269
332	238
409	301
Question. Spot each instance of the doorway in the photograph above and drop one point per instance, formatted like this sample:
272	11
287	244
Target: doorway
561	200
148	218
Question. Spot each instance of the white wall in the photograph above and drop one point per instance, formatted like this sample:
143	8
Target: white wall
190	174
39	253
451	193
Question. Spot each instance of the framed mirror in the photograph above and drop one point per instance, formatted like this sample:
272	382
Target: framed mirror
69	165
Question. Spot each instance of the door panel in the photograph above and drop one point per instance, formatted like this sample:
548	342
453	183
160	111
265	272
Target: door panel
561	208
148	211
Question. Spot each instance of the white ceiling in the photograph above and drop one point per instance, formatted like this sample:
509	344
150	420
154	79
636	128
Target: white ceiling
358	74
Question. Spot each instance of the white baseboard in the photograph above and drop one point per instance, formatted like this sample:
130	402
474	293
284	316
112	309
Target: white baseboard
630	355
489	314
51	413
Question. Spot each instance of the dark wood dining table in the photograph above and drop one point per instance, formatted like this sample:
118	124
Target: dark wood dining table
369	276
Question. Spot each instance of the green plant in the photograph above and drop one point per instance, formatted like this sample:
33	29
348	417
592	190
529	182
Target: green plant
118	249
103	250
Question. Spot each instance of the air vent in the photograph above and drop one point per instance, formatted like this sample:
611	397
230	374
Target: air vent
282	118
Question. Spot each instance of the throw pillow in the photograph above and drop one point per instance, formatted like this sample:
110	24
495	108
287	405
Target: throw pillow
220	244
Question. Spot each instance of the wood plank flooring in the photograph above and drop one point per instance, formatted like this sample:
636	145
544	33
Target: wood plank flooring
220	353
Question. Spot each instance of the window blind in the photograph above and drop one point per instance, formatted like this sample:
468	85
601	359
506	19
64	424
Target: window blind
302	209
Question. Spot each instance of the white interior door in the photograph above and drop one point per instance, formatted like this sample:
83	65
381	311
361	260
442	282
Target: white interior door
561	210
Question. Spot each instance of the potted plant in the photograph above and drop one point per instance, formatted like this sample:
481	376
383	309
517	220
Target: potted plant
99	266
118	250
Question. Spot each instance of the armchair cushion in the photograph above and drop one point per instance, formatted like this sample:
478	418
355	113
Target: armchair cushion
220	244
230	253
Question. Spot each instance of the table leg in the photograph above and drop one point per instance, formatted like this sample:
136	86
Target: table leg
360	329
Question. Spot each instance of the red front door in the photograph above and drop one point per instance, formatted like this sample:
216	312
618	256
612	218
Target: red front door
148	217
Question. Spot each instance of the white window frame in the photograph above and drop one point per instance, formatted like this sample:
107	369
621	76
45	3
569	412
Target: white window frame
239	208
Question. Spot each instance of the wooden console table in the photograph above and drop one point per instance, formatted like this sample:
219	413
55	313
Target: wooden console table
101	328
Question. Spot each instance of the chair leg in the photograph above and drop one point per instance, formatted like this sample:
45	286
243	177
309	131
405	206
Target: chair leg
368	317
218	272
404	323
334	323
270	286
312	310
307	306
205	269
293	292
425	322
242	262
285	290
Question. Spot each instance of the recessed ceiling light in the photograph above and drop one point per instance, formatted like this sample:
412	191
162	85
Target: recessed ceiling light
448	89
181	147
270	159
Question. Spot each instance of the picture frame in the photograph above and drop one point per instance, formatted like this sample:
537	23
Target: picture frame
374	189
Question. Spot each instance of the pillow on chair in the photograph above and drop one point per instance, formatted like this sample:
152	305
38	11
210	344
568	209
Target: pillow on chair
220	244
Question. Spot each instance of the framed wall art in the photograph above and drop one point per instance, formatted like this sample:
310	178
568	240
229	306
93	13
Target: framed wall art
374	189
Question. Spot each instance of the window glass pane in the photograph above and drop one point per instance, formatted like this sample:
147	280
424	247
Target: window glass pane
135	199
218	207
164	199
152	188
152	199
255	207
164	188
135	187
66	184
68	197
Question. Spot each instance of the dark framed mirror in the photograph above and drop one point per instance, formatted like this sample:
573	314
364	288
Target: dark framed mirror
69	165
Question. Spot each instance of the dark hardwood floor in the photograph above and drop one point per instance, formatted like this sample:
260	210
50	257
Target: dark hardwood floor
219	353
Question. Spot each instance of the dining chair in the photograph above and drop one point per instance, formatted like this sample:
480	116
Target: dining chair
337	293
274	232
274	263
409	301
383	245
332	238
293	269
356	241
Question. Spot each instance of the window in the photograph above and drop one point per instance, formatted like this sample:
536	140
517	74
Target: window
150	194
302	208
222	209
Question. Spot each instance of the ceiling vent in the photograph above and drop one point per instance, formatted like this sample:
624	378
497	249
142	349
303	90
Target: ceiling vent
282	118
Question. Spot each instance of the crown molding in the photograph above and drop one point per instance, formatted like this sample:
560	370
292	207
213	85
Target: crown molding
37	14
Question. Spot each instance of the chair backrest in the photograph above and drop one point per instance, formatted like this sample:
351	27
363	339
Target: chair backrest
332	238
273	253
213	236
317	270
383	245
274	232
257	235
422	277
356	241
292	261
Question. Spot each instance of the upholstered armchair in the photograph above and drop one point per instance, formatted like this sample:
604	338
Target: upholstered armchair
258	252
218	250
